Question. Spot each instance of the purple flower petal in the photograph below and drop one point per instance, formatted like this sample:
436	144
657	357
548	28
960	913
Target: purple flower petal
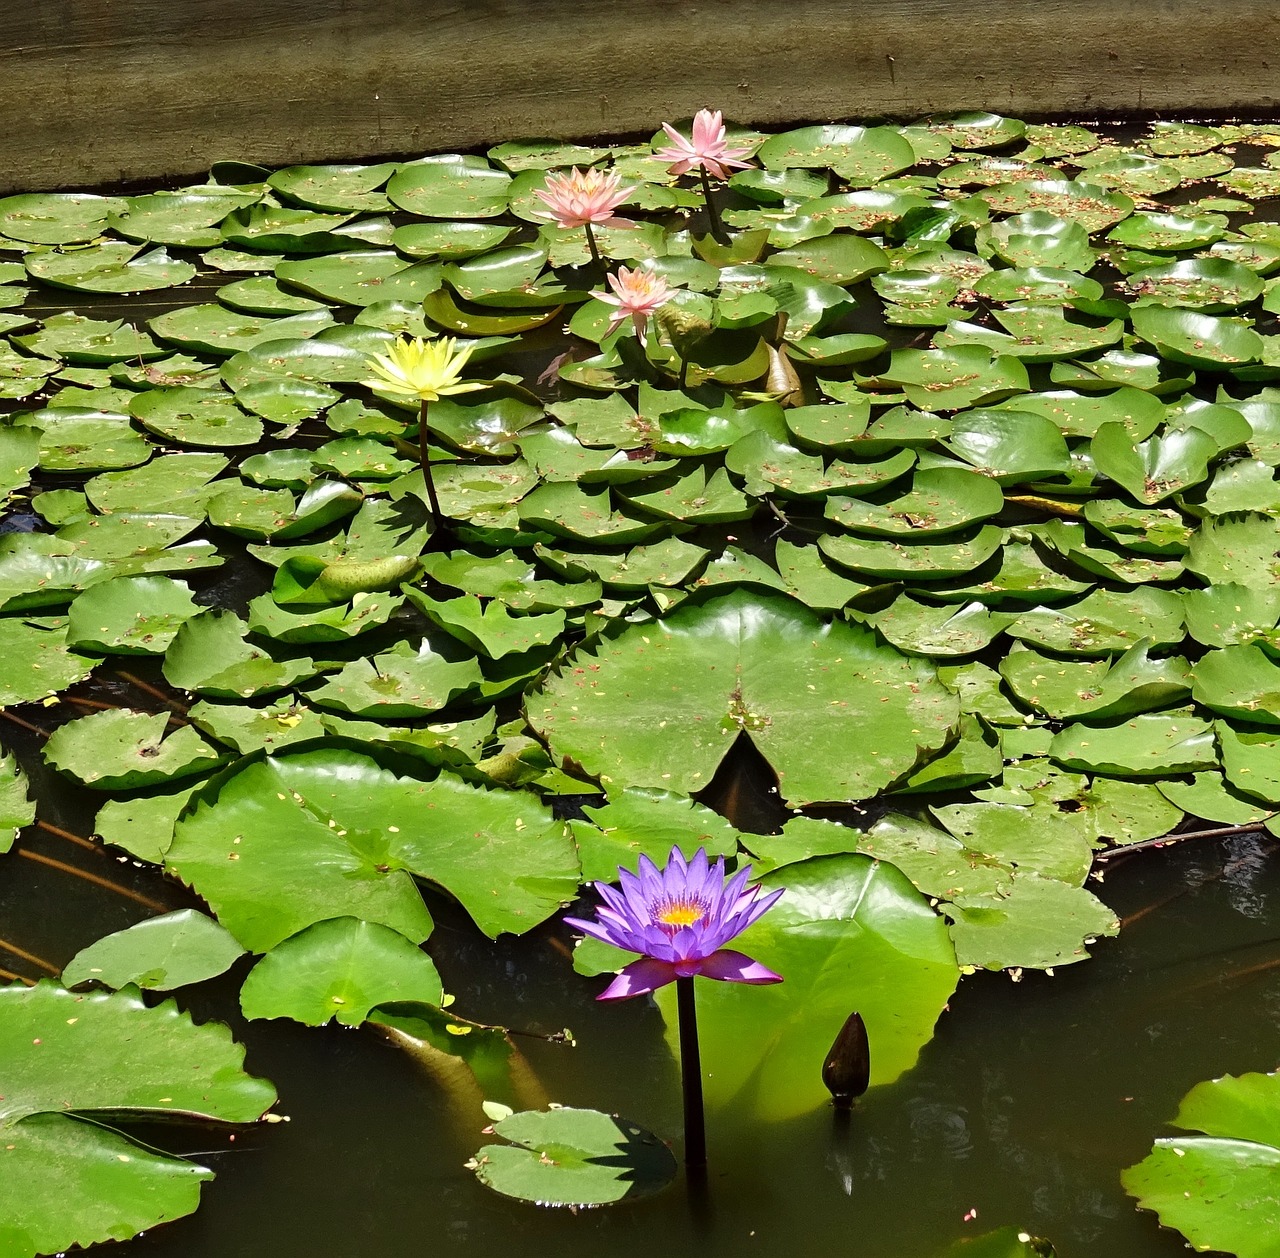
678	918
736	967
638	979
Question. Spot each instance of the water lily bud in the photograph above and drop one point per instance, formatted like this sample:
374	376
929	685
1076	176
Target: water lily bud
847	1069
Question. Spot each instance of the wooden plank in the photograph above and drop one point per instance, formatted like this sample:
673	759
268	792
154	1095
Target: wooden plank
110	91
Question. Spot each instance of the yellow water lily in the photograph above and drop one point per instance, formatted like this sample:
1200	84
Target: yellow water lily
421	369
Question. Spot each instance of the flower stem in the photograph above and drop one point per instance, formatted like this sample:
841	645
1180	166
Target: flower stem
713	215
424	461
595	250
695	1129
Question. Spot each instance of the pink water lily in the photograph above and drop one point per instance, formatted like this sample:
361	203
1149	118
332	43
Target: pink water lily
679	918
707	150
583	197
637	293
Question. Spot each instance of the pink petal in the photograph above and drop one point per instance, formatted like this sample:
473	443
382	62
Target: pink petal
640	978
735	967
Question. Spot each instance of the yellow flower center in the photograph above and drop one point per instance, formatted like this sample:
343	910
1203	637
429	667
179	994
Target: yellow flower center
672	914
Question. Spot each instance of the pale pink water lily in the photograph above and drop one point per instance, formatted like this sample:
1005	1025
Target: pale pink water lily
707	150
637	293
583	197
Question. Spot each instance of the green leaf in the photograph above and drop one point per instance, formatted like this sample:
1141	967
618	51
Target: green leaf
1009	445
954	378
71	1182
1202	340
719	678
1240	551
404	681
940	501
17	808
649	823
130	615
212	329
197	417
1239	681
1146	746
1104	622
1220	1190
360	278
56	218
35	661
210	656
339	969
158	954
321	834
121	749
449	186
849	933
113	267
948	558
1037	922
1098	689
575	1158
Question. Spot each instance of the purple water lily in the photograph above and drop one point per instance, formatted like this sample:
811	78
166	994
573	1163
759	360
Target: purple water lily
678	918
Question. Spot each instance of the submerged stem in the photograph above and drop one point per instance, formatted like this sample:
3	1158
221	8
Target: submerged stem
1220	832
695	1129
87	844
11	977
424	461
154	691
145	901
39	962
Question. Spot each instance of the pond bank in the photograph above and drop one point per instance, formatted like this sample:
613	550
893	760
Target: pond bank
144	89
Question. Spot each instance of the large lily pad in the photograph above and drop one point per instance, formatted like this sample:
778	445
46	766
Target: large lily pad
339	970
1220	1189
689	685
158	954
70	1180
295	839
849	933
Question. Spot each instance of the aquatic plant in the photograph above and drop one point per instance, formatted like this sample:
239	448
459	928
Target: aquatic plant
679	918
943	480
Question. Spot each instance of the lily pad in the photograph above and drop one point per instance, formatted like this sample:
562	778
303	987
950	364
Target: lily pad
158	954
70	1180
1220	1188
719	679
339	970
121	749
575	1158
848	933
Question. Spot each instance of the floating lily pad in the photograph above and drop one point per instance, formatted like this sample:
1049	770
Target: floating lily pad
575	1158
338	970
113	267
1146	746
1219	1189
121	749
158	954
843	925
71	1182
130	615
718	665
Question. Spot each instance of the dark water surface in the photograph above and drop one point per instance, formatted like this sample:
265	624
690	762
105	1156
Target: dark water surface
1025	1107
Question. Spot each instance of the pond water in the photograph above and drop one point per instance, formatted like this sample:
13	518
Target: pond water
1037	1088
